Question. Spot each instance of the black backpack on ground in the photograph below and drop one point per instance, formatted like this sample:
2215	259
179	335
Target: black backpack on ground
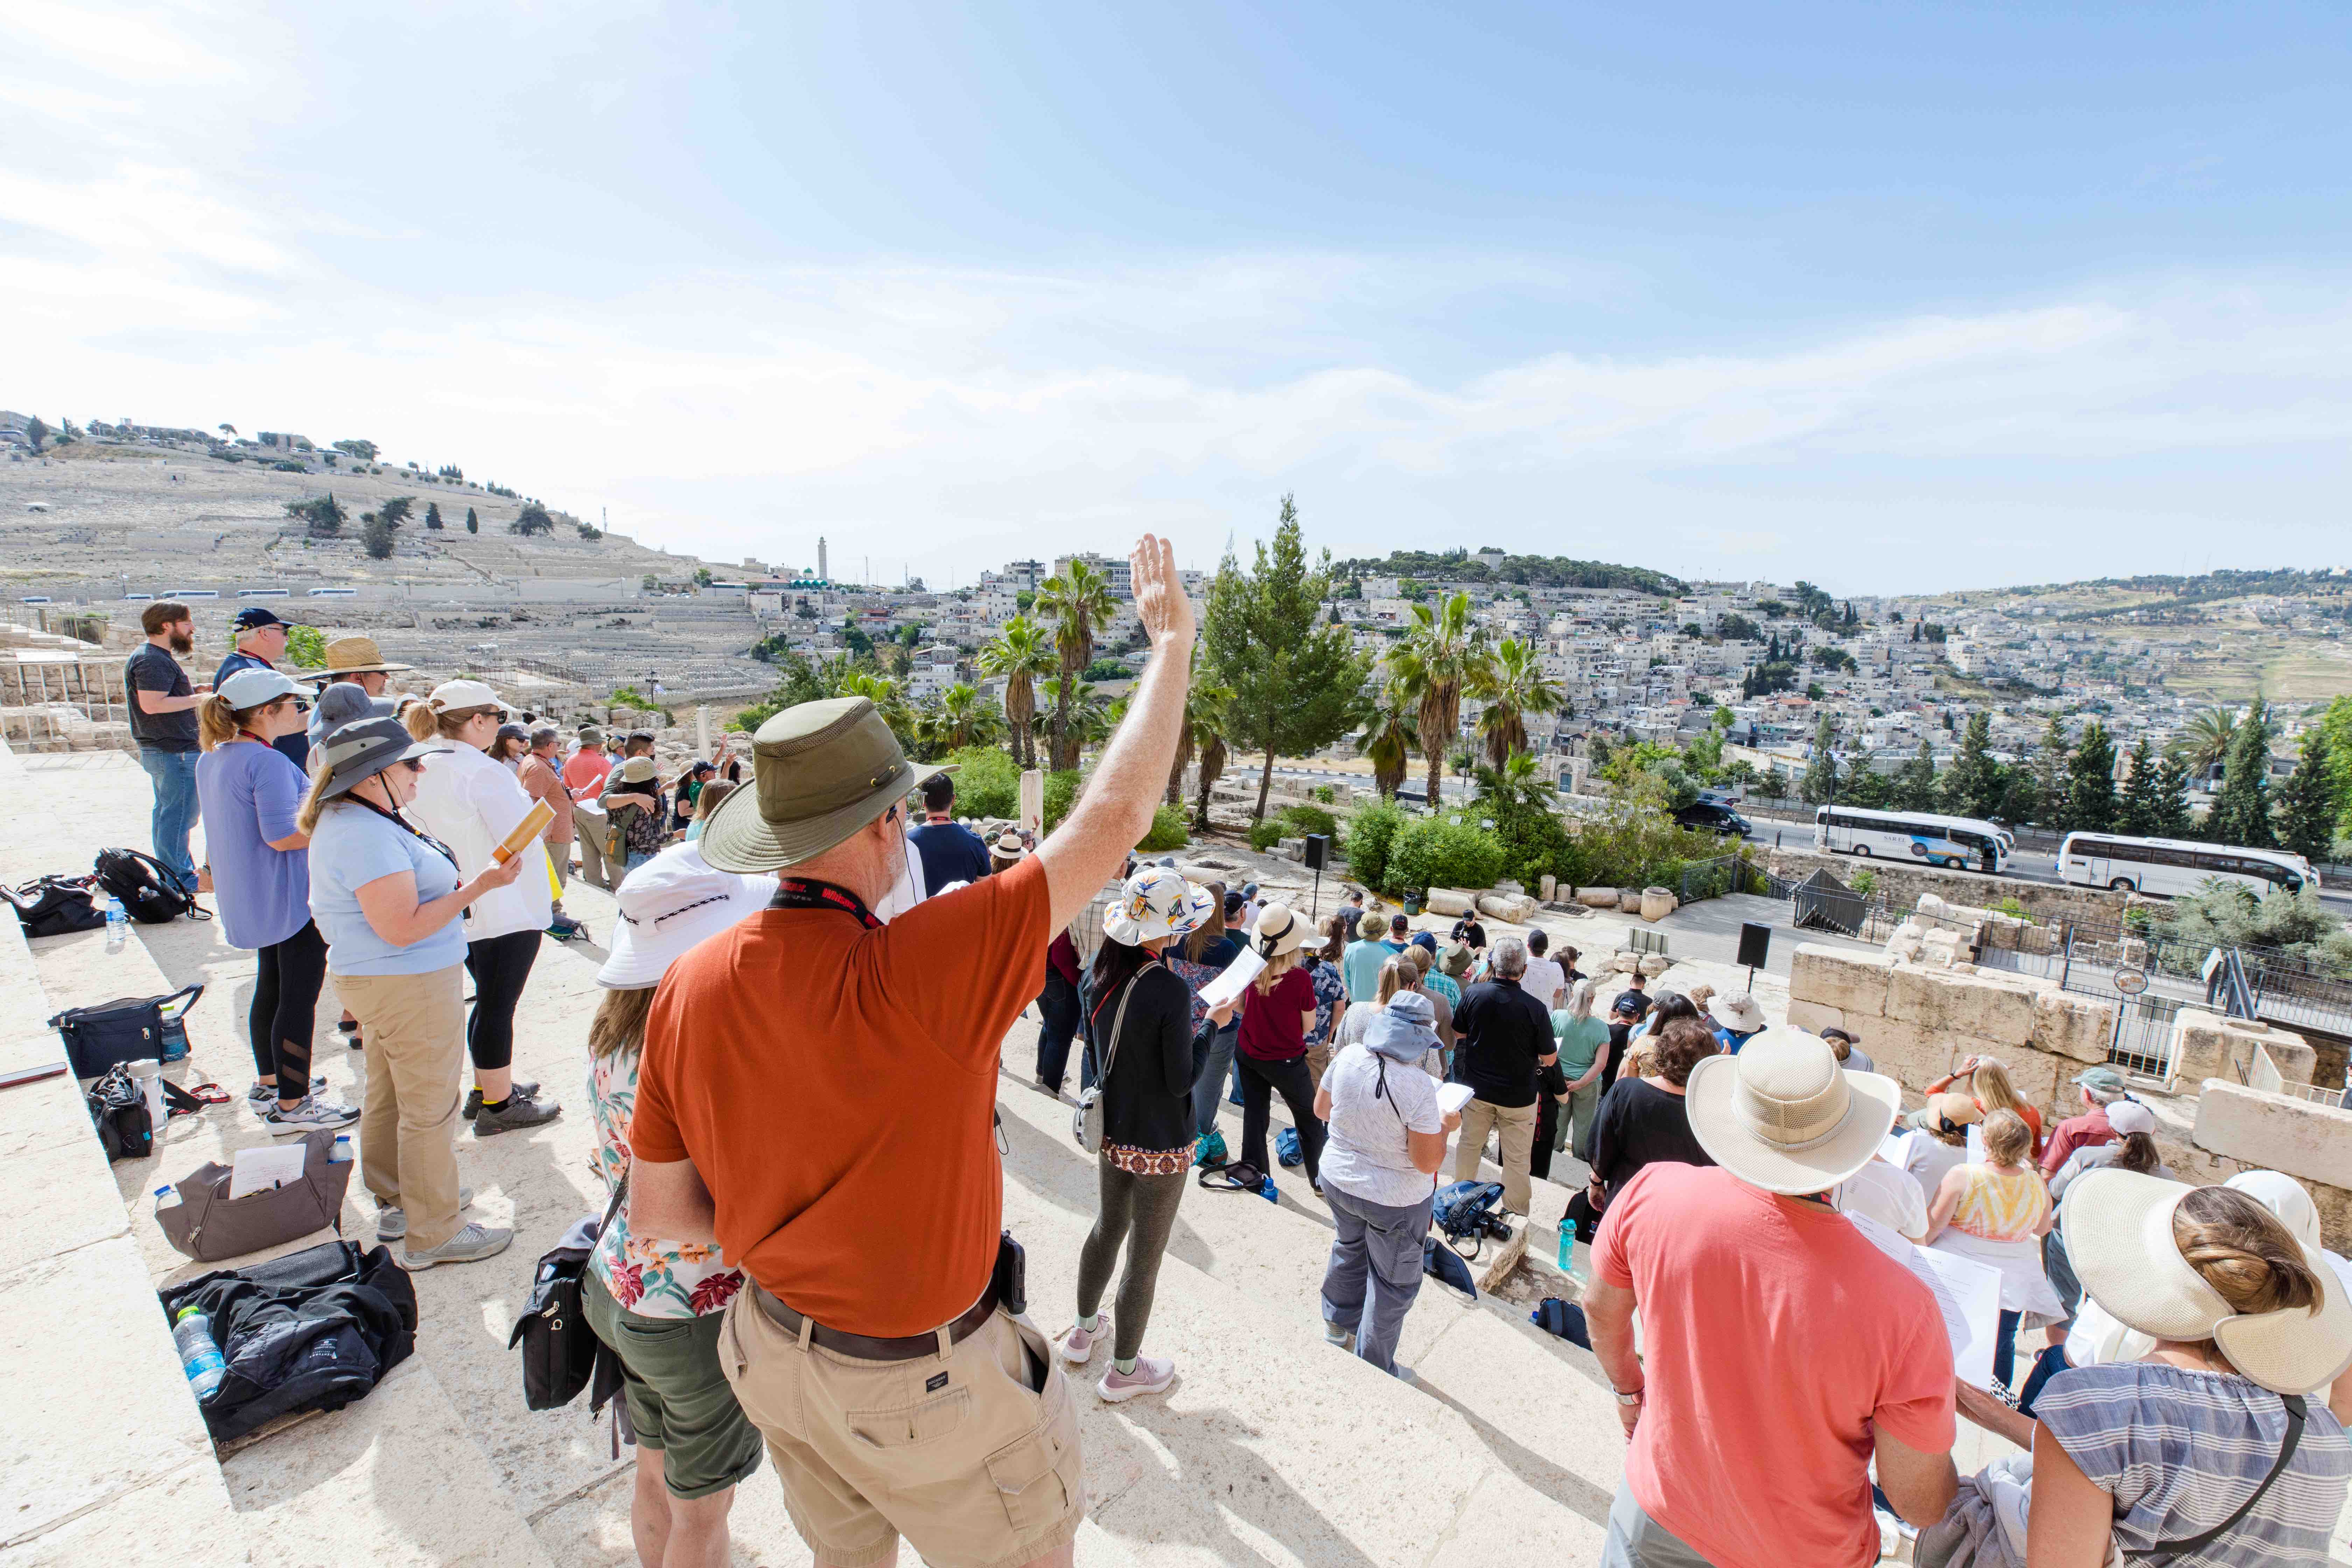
311	1331
127	1029
150	894
54	906
117	1108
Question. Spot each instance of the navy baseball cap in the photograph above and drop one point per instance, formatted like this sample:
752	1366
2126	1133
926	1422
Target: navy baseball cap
254	616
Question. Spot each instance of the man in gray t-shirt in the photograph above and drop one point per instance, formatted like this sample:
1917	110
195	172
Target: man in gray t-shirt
163	722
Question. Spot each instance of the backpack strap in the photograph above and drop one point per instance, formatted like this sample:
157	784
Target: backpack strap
2165	1550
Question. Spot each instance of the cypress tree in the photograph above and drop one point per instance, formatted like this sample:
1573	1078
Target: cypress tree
2141	810
1974	783
2091	781
2306	805
473	524
2242	812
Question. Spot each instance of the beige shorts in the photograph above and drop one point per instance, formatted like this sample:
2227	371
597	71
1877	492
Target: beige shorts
965	1454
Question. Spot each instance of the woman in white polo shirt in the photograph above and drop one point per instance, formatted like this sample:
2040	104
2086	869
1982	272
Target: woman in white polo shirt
471	803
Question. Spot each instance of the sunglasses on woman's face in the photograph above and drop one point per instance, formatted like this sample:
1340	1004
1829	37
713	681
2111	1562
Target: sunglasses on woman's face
412	764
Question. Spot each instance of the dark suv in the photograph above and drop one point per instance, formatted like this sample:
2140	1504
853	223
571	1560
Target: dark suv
1705	816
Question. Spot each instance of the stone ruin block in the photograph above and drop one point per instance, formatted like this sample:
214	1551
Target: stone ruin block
2206	1045
1961	1005
1854	984
2281	1132
1597	898
1451	902
2072	1026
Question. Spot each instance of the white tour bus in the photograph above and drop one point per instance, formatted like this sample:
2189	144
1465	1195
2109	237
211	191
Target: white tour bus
186	595
1962	842
334	592
264	593
2170	866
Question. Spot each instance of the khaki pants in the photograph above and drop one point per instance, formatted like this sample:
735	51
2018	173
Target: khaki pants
1516	1124
559	856
963	1453
588	828
415	1029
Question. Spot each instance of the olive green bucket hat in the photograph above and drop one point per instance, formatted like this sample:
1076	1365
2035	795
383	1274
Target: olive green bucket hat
819	773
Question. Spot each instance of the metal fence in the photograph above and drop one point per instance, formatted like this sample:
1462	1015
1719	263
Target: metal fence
1723	874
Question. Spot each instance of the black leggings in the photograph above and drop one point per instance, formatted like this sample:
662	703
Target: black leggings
1139	1211
1261	1081
286	980
499	965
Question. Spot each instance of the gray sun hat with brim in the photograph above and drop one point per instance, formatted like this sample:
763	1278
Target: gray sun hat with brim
363	748
345	703
820	772
1403	1031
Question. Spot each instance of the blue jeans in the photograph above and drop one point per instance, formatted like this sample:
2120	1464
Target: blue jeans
2047	1366
1375	1270
2004	1349
1211	1065
174	816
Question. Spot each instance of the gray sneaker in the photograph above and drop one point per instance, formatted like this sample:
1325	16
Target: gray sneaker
316	1114
471	1245
392	1223
519	1111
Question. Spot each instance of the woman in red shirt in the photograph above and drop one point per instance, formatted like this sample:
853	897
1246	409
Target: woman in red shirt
1276	1011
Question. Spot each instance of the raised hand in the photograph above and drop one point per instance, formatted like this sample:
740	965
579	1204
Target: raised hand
1160	599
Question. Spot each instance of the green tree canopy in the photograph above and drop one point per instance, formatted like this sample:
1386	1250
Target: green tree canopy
2306	805
2242	812
1973	785
2091	781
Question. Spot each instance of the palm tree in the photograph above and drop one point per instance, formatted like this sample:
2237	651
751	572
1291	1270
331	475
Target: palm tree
1443	653
1078	602
962	719
2204	745
887	696
1079	709
1514	686
1389	739
1020	654
1204	724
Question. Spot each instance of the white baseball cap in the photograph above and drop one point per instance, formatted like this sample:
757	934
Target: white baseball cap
452	694
668	905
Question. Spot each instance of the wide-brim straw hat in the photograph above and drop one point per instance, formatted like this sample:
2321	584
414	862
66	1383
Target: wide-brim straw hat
1155	902
363	748
666	906
1783	1115
1007	845
354	656
1279	930
2118	1231
1736	1010
820	772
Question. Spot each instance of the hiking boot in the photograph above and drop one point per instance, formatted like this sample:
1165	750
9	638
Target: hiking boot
474	1096
262	1095
470	1245
1150	1376
1077	1346
312	1115
519	1111
392	1223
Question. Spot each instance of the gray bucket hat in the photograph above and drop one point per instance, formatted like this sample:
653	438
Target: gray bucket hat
820	770
344	703
1403	1031
364	748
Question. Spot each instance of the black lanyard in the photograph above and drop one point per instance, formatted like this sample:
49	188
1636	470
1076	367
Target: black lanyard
411	829
797	893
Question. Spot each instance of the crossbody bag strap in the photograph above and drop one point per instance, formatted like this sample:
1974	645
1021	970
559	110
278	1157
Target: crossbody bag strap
1117	1025
2165	1550
620	1194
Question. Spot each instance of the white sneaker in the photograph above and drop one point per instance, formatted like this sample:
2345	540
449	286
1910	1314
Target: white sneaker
1150	1376
392	1223
470	1245
315	1114
1076	1345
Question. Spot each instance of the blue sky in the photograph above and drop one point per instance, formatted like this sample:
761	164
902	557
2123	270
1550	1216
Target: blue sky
1891	298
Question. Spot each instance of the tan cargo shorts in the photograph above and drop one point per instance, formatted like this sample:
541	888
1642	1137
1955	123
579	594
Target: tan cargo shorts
973	1455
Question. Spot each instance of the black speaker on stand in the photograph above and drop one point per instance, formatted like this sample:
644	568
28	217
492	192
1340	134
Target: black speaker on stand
1755	943
1319	852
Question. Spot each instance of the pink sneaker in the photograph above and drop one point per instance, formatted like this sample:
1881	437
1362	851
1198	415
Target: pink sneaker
1077	1346
1150	1376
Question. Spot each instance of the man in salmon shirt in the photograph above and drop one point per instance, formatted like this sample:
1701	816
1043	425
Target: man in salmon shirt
817	1095
1783	1351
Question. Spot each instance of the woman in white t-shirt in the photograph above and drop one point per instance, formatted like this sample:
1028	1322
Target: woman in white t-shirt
471	804
1387	1139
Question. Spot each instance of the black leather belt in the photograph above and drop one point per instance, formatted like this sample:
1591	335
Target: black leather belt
864	1347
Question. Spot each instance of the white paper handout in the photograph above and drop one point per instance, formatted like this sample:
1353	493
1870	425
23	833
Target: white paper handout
1235	976
1452	1097
1968	1294
262	1167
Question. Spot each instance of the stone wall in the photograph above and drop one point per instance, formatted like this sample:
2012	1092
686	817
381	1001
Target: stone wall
1901	885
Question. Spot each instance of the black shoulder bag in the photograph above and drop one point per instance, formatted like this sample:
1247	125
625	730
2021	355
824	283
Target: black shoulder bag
559	1351
2165	1550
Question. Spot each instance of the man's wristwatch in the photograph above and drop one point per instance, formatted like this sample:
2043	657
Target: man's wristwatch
1635	1398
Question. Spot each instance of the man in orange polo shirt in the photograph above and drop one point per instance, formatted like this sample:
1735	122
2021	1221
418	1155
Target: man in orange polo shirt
816	1096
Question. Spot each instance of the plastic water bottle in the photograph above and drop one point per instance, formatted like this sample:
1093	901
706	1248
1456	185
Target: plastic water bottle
340	1153
200	1358
1267	1192
118	928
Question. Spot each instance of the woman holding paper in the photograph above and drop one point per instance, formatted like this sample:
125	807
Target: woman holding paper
1997	1212
473	804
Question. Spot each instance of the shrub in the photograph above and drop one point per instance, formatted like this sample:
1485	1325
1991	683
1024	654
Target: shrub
987	784
1265	835
1865	882
1325	794
2014	907
1167	830
1298	821
1370	832
1061	794
1431	853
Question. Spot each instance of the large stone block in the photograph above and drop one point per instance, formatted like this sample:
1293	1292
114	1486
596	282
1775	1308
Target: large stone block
2036	1075
1853	982
2335	1206
1912	1055
1597	898
1813	1017
1961	1003
1451	902
2071	1024
2206	1045
2278	1132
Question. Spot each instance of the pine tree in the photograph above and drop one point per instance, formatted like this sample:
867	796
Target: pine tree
2050	761
2140	812
2306	805
2242	812
2173	818
376	536
1914	781
433	515
2091	781
1973	785
1821	774
473	524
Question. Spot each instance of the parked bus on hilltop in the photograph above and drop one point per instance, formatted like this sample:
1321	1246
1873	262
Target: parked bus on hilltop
2169	867
1961	843
186	595
334	592
264	593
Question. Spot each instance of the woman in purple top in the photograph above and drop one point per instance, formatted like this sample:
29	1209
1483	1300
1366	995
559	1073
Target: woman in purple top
260	863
